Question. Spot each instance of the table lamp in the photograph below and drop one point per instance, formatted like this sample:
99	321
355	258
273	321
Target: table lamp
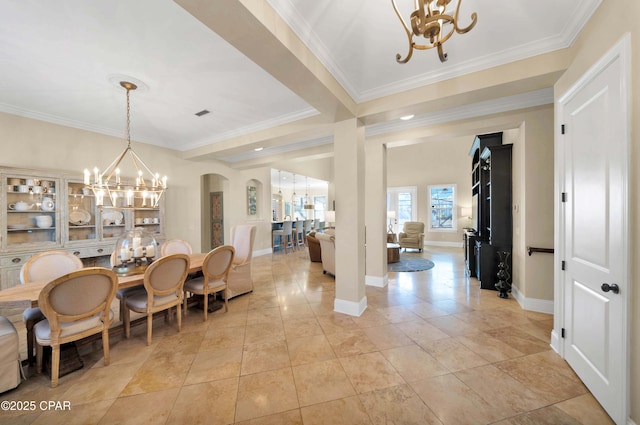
329	217
391	215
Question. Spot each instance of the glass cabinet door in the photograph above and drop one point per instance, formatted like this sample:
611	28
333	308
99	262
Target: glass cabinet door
31	211
113	223
146	217
81	206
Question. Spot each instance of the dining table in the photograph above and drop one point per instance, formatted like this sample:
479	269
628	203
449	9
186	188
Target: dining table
21	295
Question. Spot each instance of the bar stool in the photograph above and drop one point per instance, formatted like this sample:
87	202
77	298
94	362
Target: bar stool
298	234
284	235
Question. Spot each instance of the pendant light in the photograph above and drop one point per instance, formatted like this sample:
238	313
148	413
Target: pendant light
307	202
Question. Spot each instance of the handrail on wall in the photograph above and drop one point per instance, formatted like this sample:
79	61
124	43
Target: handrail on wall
531	250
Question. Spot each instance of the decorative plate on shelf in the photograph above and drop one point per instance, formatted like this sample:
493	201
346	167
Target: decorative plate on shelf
112	216
79	217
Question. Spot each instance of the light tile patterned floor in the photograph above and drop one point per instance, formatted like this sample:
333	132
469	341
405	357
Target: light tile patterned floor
431	348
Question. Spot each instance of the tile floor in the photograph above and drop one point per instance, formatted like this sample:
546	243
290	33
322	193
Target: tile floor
431	348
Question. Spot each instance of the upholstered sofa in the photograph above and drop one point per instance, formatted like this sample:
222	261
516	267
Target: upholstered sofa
314	248
412	235
327	252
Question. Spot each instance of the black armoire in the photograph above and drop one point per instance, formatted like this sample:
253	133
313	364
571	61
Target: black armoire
491	187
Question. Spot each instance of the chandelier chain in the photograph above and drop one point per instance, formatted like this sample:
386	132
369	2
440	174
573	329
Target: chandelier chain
128	118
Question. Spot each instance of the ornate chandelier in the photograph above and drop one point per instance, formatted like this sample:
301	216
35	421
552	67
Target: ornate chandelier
113	191
434	22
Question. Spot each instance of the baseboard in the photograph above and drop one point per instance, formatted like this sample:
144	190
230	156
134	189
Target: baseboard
555	342
266	251
532	304
377	281
350	307
444	243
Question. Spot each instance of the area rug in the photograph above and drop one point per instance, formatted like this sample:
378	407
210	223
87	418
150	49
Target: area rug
410	263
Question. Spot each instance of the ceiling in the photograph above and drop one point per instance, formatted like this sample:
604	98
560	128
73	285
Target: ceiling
287	181
62	63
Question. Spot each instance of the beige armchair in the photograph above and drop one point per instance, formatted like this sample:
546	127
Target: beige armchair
412	235
327	252
240	280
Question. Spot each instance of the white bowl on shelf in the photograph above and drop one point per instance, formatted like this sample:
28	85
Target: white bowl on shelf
44	221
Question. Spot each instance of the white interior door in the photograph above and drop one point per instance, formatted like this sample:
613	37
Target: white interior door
594	226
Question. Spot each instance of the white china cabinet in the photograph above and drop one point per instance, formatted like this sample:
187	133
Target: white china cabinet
45	210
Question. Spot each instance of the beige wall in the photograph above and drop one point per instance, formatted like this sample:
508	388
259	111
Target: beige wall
435	162
619	17
31	143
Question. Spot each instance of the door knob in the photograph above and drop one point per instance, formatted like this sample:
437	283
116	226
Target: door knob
613	288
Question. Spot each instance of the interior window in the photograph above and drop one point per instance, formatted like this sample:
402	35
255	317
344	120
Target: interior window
442	201
319	207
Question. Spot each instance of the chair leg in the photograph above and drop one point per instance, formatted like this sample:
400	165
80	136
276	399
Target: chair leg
149	327
127	322
122	307
179	318
38	357
226	299
55	364
30	340
206	306
105	345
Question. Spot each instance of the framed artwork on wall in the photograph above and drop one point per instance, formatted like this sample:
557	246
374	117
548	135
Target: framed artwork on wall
252	201
217	220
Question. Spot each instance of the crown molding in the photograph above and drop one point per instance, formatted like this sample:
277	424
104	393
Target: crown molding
304	31
261	125
489	107
275	150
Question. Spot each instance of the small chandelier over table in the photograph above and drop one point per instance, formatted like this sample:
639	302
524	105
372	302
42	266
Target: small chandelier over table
113	191
434	22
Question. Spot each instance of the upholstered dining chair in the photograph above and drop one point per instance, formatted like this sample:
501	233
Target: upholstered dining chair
44	266
163	284
175	246
284	234
75	305
215	270
122	294
240	279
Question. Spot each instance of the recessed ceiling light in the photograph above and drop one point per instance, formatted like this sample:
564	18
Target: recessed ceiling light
407	117
258	149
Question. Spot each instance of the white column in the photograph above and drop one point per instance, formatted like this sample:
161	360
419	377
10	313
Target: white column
350	193
376	214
